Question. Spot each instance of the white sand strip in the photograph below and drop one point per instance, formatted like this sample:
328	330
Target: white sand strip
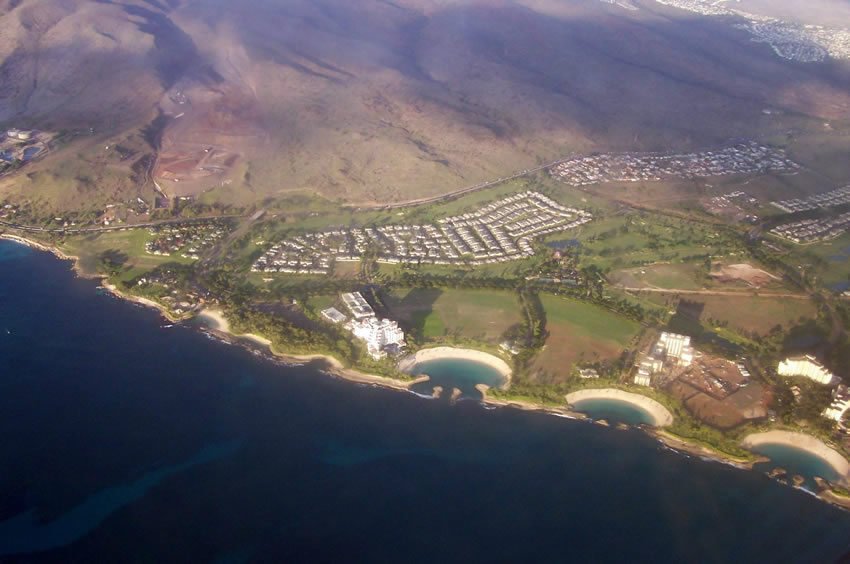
409	362
801	441
660	415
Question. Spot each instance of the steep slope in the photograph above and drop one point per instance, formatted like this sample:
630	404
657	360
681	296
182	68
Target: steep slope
382	101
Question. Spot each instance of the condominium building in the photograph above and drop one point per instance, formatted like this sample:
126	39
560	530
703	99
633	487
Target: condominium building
379	335
840	403
806	366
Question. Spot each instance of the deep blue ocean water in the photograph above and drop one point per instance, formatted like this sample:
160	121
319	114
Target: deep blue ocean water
121	440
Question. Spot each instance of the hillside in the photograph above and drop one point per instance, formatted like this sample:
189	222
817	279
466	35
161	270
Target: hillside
377	101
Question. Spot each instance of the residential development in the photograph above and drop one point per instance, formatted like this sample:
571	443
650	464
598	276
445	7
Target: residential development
188	240
789	40
743	158
829	199
813	230
499	232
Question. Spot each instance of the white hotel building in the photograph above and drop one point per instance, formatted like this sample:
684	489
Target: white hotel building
806	366
380	335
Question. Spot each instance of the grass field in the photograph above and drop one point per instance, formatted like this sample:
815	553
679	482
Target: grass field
691	275
131	243
830	259
481	315
749	313
682	276
754	314
579	332
627	241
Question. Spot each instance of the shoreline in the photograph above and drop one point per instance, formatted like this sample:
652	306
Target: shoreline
659	414
337	369
409	362
804	442
681	445
48	249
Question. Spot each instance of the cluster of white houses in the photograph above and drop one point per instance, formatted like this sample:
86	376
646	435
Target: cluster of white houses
806	43
499	232
829	199
670	351
190	240
382	336
813	230
743	158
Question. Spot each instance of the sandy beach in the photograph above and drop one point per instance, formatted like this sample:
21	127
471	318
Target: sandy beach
803	442
660	415
409	362
216	321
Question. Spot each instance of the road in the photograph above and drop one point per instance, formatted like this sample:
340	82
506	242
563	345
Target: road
746	294
100	229
460	192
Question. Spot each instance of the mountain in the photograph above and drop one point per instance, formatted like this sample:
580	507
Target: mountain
378	100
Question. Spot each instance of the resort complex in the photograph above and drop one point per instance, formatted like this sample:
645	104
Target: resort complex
381	336
670	351
806	366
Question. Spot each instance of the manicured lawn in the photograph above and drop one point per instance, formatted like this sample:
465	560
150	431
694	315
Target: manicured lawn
130	242
482	315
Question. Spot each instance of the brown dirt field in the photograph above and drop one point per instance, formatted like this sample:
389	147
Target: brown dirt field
746	273
755	314
564	349
747	403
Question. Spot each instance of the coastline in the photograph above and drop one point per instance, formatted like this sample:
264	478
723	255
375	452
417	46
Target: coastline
46	248
660	415
682	445
408	363
804	442
336	368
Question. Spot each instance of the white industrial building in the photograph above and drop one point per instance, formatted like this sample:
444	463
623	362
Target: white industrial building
806	366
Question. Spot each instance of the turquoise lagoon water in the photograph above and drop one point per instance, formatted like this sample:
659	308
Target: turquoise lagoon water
456	373
614	411
796	461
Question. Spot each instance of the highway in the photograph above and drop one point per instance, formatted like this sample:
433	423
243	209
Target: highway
460	192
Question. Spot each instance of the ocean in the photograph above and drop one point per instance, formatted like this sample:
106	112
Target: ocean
122	439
